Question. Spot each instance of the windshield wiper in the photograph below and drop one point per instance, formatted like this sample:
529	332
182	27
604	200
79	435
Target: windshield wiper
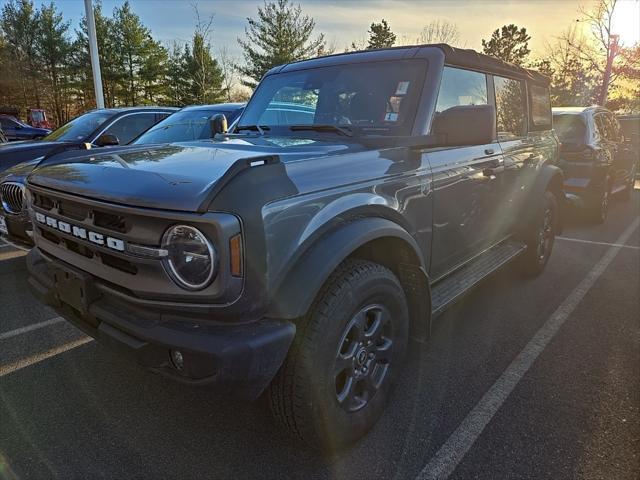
346	131
258	128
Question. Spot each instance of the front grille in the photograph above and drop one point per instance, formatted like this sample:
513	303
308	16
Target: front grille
77	211
12	195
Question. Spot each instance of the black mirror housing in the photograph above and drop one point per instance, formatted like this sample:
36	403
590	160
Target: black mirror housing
218	124
466	125
107	140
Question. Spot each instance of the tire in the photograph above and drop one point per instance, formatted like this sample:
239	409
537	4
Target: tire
540	237
310	395
598	207
626	193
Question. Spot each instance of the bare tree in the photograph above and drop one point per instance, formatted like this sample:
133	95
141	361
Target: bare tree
439	31
601	53
228	67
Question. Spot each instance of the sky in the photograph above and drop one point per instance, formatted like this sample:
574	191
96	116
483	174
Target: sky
345	21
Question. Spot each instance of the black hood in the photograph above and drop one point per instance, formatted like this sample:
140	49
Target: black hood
171	177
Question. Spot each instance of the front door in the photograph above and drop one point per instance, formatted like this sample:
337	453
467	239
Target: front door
467	182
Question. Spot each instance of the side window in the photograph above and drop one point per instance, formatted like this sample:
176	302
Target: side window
6	123
614	127
461	87
540	107
510	108
601	126
130	126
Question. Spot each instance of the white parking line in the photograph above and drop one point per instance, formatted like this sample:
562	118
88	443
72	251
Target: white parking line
39	357
447	458
30	328
579	240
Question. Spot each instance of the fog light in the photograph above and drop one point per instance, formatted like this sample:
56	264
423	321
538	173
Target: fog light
176	359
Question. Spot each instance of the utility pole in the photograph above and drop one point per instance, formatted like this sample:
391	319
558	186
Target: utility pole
612	52
93	51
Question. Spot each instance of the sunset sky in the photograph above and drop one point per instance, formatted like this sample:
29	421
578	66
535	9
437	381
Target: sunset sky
345	21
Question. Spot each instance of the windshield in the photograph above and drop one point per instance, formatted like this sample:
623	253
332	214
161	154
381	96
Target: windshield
182	126
37	116
570	128
79	128
379	98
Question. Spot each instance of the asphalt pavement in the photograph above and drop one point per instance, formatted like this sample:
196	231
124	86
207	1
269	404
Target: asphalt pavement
521	379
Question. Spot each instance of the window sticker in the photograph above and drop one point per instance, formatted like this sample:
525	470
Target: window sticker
391	117
403	88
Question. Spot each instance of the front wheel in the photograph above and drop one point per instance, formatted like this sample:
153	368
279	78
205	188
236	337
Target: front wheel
346	356
540	237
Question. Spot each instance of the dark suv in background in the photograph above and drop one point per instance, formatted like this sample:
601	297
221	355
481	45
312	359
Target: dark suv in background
594	157
298	253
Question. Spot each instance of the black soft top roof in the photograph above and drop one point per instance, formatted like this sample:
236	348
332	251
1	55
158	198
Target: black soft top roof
460	57
468	58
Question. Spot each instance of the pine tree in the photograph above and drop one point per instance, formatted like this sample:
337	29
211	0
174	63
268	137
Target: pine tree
381	36
53	51
281	34
509	43
204	73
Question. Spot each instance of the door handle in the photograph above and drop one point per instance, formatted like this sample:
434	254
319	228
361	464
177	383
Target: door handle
489	151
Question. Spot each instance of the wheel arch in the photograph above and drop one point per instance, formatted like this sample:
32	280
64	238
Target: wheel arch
379	240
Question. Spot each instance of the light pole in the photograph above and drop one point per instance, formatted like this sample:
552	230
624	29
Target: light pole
93	51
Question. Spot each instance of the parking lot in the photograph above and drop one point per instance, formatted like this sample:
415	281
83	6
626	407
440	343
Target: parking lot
522	379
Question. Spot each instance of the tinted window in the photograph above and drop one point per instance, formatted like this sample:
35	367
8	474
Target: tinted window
6	123
570	128
130	126
540	106
380	97
79	128
605	127
510	107
461	87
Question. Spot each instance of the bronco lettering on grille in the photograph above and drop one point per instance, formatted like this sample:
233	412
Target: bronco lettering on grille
80	232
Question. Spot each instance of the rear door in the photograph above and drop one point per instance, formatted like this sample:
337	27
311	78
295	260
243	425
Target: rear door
520	152
467	181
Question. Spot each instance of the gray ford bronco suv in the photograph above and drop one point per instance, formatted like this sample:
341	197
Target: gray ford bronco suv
356	198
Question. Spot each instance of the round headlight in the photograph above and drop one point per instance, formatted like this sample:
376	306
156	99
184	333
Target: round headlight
191	259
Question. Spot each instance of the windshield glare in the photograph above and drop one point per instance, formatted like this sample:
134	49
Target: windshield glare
79	128
379	98
181	127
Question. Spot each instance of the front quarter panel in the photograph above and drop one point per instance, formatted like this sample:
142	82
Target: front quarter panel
390	184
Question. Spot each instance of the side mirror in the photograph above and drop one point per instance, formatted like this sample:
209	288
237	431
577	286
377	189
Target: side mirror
218	124
107	140
466	125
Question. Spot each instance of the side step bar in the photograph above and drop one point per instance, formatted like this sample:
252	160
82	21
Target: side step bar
447	291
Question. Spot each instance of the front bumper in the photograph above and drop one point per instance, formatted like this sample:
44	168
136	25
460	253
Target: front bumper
240	359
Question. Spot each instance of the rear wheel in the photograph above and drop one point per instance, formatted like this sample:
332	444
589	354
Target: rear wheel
598	208
626	193
346	357
540	237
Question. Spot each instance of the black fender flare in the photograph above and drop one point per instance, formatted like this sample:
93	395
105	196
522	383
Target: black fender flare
294	294
550	177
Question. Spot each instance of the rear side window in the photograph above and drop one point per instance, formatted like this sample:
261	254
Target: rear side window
540	107
510	108
461	87
130	126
